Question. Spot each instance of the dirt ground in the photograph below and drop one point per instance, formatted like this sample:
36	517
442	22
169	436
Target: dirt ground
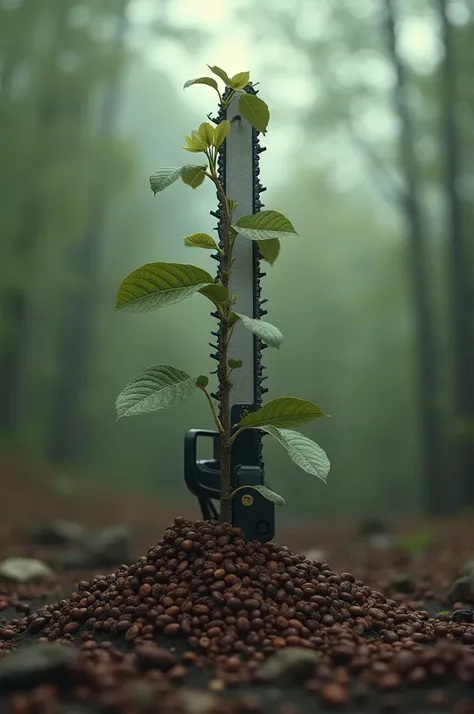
414	562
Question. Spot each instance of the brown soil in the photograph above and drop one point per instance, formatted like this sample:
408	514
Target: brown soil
203	608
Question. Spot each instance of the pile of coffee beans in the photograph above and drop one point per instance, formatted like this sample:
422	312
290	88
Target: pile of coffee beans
230	604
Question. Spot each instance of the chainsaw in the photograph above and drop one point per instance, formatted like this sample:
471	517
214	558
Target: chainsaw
238	168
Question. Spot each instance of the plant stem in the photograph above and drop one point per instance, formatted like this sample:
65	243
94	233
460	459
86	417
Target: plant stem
234	436
225	383
213	410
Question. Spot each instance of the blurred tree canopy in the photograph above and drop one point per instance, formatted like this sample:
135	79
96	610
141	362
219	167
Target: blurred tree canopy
374	298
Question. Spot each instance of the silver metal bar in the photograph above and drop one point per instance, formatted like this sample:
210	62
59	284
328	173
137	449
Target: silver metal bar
239	170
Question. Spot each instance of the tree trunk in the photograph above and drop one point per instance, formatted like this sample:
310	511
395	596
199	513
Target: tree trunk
69	426
459	276
16	298
431	457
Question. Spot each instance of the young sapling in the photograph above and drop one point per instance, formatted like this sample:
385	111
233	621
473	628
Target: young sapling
157	285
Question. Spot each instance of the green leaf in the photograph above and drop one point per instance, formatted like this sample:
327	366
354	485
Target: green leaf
264	225
201	240
270	495
160	387
202	80
194	177
221	132
220	73
269	249
283	412
239	80
195	143
202	381
232	205
234	363
207	133
264	330
266	493
167	175
233	318
215	293
255	111
157	285
303	451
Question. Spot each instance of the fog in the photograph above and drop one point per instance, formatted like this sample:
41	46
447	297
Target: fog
370	154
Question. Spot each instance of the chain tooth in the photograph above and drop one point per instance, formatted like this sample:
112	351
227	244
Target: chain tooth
214	314
214	256
263	312
215	355
257	206
214	347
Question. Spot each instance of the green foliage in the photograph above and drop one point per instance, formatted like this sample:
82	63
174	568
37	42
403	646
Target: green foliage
303	451
239	80
282	412
215	292
267	333
222	130
193	177
255	111
263	226
221	74
266	493
167	175
202	80
202	381
160	387
269	249
415	544
234	363
157	285
201	240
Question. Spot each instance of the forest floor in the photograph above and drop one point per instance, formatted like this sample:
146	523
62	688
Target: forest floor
412	564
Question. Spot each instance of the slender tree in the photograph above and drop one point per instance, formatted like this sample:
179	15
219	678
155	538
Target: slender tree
460	271
48	111
69	423
411	207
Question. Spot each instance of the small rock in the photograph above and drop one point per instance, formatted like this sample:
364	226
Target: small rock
403	584
291	665
377	535
461	591
467	571
108	547
57	533
318	555
24	570
195	701
34	663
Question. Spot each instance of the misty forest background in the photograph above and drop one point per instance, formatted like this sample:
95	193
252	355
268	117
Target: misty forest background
371	156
